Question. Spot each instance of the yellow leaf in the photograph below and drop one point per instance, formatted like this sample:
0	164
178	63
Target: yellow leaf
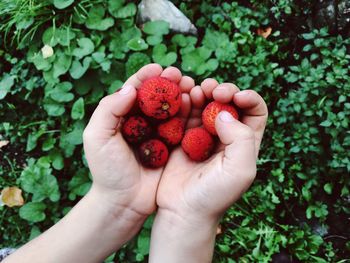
12	196
3	143
264	32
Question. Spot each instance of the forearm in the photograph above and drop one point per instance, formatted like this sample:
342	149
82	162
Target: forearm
177	239
90	232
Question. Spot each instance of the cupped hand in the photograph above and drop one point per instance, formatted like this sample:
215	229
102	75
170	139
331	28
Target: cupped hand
202	191
117	174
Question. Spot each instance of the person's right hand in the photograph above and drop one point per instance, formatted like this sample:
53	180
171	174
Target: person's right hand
118	177
192	196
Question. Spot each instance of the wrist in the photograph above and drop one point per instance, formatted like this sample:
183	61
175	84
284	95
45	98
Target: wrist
109	206
182	239
189	222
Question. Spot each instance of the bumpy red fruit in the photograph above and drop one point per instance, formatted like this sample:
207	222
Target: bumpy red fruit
198	144
172	131
153	153
136	129
212	110
159	98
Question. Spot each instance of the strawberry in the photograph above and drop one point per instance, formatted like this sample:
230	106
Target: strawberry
198	144
172	131
212	110
159	98
153	153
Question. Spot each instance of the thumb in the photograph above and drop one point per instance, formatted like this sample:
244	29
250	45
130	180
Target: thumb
238	138
106	116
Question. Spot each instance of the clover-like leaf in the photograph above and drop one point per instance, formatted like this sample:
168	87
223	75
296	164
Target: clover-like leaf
161	56
61	64
33	212
78	110
137	44
86	47
77	69
96	19
158	27
60	92
116	9
62	4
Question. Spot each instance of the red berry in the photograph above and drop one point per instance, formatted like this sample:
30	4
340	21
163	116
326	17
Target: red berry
212	110
172	131
136	129
153	153
159	98
198	144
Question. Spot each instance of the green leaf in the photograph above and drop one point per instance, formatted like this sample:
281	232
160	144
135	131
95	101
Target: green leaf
116	9
161	56
328	188
62	4
53	108
80	184
33	212
86	47
32	140
61	64
78	109
96	19
143	242
137	44
78	70
48	144
5	85
38	180
49	37
154	40
136	61
326	123
61	93
156	28
57	160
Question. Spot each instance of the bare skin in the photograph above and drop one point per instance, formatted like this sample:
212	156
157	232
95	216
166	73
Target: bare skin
192	196
124	193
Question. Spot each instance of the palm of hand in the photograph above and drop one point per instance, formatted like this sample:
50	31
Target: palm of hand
210	187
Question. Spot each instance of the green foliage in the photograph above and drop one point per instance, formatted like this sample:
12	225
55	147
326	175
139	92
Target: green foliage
299	202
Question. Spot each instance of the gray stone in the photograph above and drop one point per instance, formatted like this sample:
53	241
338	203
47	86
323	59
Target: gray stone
152	10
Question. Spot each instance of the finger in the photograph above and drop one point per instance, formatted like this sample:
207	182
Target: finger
172	73
239	154
197	101
224	92
107	115
186	84
254	112
208	85
197	97
185	109
146	72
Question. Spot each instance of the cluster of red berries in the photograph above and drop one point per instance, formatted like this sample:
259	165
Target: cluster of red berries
155	129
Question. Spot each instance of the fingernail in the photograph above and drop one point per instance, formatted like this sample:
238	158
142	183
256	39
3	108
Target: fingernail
126	89
226	117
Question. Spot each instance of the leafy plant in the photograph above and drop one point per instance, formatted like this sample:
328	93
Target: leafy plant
299	204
